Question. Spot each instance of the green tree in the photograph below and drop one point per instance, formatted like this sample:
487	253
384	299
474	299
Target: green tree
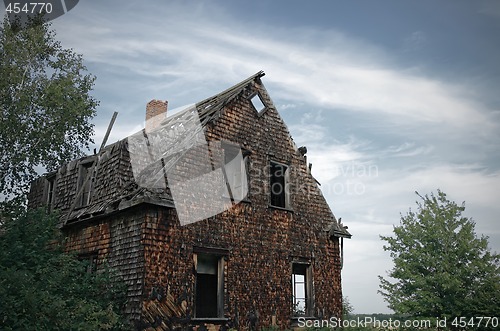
347	308
43	288
441	268
45	105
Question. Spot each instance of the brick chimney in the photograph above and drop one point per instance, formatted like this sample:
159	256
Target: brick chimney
156	112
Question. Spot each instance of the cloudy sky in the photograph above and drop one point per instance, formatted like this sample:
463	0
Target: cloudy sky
390	97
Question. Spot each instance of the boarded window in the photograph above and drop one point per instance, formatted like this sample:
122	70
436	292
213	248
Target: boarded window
209	286
85	183
302	303
279	185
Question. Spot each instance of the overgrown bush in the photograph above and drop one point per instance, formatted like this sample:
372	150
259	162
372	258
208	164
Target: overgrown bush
44	288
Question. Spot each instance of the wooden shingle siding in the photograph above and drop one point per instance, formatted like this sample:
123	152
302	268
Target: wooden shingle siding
117	241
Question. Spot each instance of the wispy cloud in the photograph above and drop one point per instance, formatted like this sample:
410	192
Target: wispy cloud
415	41
490	8
323	68
407	149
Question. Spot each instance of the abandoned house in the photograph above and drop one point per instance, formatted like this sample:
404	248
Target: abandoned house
210	216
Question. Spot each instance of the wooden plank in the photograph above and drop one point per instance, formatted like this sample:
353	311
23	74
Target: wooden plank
91	173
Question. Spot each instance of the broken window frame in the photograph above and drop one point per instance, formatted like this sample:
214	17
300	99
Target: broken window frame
259	105
279	199
85	170
91	260
304	270
218	261
50	191
235	180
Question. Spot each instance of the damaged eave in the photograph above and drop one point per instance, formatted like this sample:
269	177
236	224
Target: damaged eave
343	234
106	208
123	205
338	230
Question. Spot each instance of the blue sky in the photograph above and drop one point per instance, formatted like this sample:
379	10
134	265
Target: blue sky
390	97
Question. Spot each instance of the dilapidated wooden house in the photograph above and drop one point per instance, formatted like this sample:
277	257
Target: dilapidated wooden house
210	216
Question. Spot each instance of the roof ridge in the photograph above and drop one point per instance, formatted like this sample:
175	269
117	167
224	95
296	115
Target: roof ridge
237	86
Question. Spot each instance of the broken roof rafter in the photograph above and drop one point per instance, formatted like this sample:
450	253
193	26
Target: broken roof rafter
206	111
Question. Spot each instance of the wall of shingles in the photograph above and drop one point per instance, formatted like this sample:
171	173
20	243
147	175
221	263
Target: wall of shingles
261	241
116	242
112	173
115	239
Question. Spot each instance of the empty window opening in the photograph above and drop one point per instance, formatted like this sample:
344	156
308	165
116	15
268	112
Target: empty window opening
209	286
278	184
235	166
257	103
85	183
50	192
90	261
302	289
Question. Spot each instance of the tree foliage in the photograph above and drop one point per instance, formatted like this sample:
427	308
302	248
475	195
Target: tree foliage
45	104
43	288
347	308
441	268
